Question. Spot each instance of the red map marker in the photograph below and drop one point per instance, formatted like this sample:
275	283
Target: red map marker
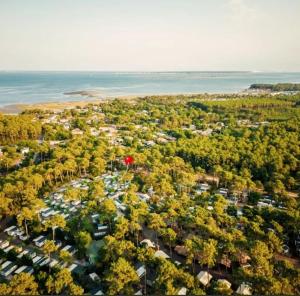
128	160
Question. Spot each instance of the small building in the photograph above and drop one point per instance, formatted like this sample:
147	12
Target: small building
223	191
161	254
9	248
8	269
40	242
182	291
77	132
94	277
244	289
24	269
25	150
72	267
70	249
148	243
23	253
204	277
4	244
140	270
98	292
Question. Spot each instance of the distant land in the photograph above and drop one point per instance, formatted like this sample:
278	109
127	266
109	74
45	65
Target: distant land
276	87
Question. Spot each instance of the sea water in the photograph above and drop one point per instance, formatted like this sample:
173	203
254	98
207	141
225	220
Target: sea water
37	87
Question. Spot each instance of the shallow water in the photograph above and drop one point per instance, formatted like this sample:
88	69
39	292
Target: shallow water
37	87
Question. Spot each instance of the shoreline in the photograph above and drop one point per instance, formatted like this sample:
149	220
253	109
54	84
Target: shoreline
93	97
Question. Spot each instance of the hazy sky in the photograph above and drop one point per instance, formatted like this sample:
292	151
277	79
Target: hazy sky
150	35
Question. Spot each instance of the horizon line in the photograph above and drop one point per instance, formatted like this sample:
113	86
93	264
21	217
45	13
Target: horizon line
156	71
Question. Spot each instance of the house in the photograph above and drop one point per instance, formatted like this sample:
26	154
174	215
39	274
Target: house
11	228
161	254
25	269
206	132
148	243
182	291
181	250
94	276
39	243
8	269
53	262
70	249
36	259
99	234
203	187
77	132
12	231
32	254
4	244
244	289
99	292
5	264
38	238
204	277
223	191
101	227
140	270
25	150
149	143
9	248
225	261
44	261
25	252
72	267
143	196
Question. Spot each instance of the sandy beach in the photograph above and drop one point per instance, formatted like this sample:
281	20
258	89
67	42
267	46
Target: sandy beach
58	106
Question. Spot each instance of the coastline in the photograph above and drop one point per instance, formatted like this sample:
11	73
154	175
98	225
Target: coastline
93	97
14	109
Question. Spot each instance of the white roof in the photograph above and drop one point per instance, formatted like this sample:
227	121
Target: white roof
182	291
94	276
204	277
38	238
24	252
141	270
66	248
10	228
244	289
6	263
161	254
72	267
53	263
20	269
36	259
8	249
148	242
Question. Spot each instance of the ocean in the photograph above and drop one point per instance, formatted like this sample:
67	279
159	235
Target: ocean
38	87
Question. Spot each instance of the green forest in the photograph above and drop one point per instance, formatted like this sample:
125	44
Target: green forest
277	86
209	204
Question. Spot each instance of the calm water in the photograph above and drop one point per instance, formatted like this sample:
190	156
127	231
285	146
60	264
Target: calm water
31	87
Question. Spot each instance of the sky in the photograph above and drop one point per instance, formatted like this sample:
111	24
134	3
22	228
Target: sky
155	35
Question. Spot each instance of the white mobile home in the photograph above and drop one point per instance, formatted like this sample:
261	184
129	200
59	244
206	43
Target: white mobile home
4	245
23	253
8	269
9	248
25	269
